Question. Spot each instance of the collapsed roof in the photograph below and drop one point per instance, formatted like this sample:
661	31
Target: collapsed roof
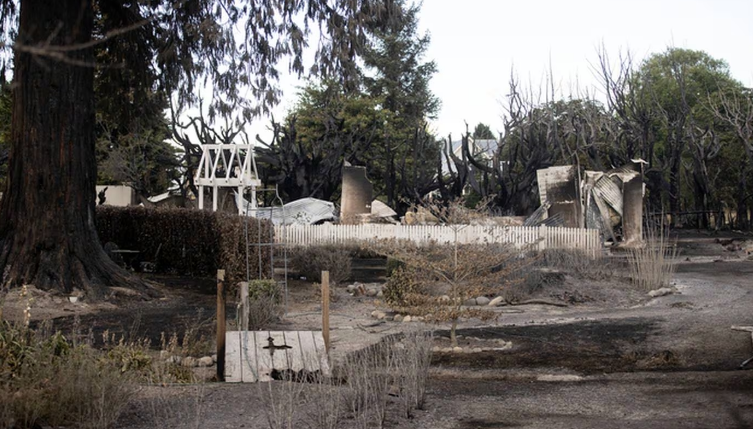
306	211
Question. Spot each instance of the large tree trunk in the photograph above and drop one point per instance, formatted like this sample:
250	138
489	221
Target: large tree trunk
47	232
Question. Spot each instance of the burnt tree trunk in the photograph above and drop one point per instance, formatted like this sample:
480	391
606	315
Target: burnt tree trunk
742	195
47	230
675	189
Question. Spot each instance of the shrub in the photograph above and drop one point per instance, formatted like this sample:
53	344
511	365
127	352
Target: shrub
358	251
264	289
465	270
264	298
312	260
45	381
190	242
392	265
400	286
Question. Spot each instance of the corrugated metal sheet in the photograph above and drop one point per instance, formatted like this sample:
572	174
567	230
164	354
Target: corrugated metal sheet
556	220
306	211
537	216
624	173
380	209
606	220
609	192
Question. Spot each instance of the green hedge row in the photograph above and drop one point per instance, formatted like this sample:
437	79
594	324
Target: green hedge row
186	241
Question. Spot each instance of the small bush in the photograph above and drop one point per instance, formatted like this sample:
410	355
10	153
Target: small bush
400	286
312	260
264	289
264	298
191	242
392	265
358	250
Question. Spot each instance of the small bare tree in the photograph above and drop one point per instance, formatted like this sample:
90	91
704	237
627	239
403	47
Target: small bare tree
444	277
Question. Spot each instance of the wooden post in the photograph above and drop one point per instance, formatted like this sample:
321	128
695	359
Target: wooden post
325	309
221	325
244	306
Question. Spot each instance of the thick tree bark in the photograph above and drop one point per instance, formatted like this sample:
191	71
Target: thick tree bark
47	232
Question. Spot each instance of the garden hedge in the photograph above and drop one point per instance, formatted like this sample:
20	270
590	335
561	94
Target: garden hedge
188	242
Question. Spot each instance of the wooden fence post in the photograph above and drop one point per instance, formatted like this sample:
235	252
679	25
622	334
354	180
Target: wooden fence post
325	309
543	238
221	325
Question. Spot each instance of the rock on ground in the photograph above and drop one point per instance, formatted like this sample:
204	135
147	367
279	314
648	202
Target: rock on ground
496	301
660	292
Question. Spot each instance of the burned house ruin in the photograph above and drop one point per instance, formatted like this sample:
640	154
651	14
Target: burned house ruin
610	201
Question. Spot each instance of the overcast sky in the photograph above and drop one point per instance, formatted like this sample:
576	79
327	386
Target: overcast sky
476	43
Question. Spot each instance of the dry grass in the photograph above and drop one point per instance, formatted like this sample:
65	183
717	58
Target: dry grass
412	360
367	375
280	401
357	396
47	381
580	263
325	403
653	265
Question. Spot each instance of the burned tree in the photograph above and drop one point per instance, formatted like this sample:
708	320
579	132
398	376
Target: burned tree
735	111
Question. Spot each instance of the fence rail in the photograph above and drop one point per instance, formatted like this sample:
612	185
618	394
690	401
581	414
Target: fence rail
542	237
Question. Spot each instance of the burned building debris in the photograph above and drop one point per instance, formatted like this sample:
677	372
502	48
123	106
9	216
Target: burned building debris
559	187
610	201
356	194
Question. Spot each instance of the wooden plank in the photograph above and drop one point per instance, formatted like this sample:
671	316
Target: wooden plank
280	358
250	364
264	358
295	353
308	353
321	351
233	372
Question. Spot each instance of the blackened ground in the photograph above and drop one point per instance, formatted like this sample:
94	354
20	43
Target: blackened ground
188	303
591	347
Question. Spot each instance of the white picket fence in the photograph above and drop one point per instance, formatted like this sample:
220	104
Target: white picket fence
540	237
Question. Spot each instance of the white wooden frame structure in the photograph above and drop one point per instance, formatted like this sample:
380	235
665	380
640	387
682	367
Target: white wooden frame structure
227	166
